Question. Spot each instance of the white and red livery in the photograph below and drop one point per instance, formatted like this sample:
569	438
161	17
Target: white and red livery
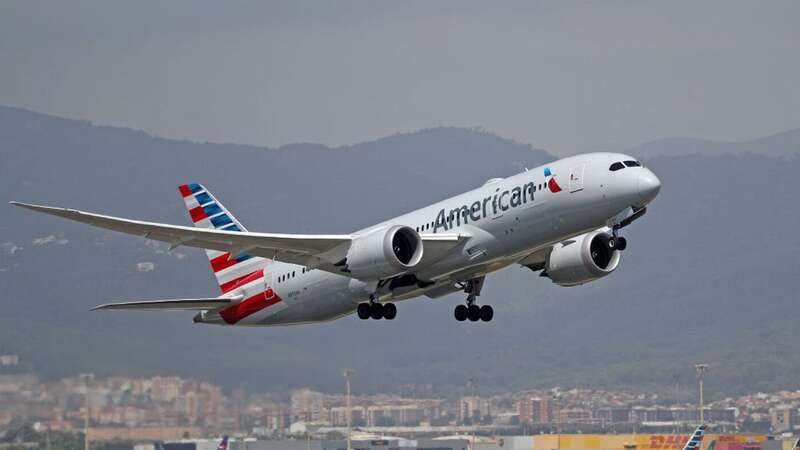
561	220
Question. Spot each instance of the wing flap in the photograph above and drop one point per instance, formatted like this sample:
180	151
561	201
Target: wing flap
182	304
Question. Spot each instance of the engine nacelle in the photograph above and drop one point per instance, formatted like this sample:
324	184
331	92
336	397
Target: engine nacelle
384	253
582	259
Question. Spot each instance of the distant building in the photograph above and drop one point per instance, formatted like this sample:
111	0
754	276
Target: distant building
142	433
308	405
613	415
474	409
338	416
145	267
534	410
9	360
783	418
573	415
395	415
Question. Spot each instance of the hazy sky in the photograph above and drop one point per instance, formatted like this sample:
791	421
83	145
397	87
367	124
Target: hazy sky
566	76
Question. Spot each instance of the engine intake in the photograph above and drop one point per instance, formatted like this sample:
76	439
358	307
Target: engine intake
582	259
384	253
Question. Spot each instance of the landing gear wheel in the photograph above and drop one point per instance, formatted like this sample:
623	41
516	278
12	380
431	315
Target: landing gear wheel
473	313
376	311
622	243
389	311
460	313
363	311
486	313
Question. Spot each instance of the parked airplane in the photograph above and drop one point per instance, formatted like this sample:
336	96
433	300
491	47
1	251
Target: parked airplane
696	438
561	220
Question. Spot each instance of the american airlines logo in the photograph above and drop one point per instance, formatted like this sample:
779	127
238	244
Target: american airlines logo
499	202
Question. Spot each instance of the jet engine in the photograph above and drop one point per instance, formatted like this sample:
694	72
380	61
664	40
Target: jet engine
582	259
384	253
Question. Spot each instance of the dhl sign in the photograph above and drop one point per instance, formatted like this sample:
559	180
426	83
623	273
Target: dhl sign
642	441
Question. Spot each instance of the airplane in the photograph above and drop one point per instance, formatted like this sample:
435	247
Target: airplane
696	438
562	220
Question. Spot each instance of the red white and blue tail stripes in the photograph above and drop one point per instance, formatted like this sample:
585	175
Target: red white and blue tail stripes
206	211
243	273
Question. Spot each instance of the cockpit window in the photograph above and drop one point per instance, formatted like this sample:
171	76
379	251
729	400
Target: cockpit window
633	164
616	166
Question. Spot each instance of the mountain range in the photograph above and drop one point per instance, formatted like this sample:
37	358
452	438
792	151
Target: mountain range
709	275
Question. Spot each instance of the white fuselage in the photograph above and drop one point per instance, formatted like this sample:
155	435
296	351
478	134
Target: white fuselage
505	219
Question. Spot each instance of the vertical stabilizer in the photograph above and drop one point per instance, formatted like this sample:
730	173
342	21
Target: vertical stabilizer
232	271
696	438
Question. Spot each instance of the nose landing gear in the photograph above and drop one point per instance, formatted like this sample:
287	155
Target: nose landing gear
471	311
617	242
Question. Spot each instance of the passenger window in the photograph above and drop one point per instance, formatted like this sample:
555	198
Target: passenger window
632	164
292	274
616	166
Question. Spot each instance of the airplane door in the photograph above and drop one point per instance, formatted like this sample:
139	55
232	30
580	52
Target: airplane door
576	178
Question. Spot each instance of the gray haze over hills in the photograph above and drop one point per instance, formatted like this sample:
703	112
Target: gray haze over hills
710	274
569	76
781	145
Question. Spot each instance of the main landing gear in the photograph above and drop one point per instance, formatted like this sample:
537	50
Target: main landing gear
471	311
376	311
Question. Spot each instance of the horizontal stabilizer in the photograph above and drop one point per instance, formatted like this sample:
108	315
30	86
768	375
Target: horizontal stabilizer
182	304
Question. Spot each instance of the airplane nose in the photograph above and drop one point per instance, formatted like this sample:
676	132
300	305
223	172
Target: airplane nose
648	185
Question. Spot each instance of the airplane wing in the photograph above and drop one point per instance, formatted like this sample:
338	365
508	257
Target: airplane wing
314	251
183	304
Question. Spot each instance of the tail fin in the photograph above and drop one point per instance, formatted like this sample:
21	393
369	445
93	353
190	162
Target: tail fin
696	438
206	212
224	444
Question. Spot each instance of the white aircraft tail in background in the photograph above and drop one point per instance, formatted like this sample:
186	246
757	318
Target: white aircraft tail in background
696	438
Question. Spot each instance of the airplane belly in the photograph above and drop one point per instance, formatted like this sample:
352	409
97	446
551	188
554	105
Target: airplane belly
323	299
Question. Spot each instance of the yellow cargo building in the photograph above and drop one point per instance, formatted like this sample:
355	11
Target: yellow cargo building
644	441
